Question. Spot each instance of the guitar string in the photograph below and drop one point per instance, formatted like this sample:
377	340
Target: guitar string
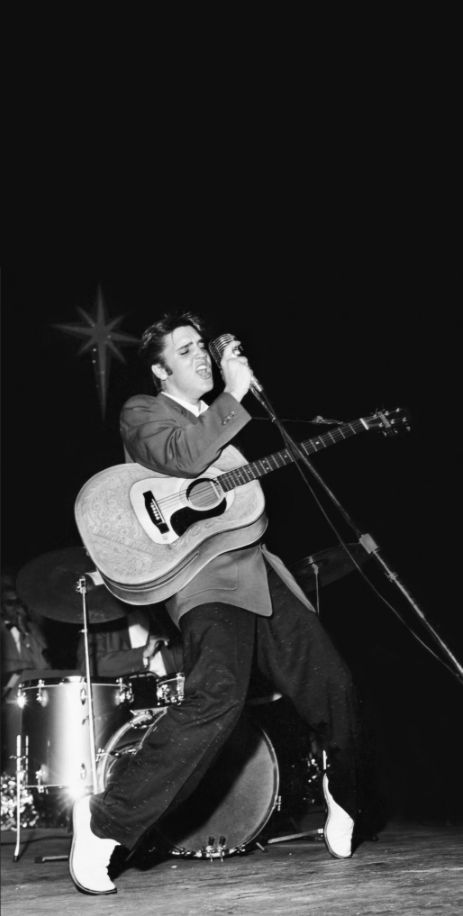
339	434
336	436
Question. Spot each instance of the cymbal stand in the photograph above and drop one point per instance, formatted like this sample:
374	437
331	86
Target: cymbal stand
21	769
82	588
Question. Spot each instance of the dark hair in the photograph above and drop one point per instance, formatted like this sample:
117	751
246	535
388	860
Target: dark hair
153	338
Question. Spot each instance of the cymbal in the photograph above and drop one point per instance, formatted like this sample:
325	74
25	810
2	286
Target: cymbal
332	564
48	585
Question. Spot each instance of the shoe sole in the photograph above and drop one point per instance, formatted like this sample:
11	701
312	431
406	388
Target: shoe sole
79	886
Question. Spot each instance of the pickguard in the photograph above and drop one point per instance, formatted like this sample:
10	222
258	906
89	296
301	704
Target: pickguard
183	518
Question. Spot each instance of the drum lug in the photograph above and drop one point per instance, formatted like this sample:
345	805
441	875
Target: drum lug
39	776
125	692
170	691
209	850
222	848
215	850
42	695
180	851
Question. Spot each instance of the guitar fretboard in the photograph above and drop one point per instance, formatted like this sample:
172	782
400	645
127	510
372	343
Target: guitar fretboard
247	472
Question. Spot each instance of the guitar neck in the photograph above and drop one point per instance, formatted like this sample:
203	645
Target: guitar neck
255	469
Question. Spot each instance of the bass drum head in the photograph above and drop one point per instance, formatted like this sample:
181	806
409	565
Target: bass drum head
230	806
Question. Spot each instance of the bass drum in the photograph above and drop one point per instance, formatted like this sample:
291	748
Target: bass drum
232	803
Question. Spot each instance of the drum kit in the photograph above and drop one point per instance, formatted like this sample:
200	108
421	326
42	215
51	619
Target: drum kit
75	730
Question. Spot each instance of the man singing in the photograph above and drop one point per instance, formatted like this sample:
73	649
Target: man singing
242	608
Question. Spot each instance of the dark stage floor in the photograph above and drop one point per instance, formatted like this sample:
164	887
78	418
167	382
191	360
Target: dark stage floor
411	869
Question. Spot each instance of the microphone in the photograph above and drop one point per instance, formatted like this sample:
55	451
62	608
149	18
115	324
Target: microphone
216	348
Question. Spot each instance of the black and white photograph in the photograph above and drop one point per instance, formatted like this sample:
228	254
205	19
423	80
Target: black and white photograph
231	664
231	453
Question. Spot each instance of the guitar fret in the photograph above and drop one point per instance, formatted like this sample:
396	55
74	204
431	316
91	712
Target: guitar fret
245	473
264	465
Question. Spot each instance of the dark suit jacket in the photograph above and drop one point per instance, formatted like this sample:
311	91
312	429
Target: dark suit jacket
162	435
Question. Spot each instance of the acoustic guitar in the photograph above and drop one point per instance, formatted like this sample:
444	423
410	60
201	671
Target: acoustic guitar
149	534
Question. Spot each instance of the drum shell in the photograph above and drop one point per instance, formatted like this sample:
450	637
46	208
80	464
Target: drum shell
148	691
55	728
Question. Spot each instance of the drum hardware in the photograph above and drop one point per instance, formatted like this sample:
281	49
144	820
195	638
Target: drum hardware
300	806
218	850
42	695
125	694
170	690
147	691
312	776
212	850
19	780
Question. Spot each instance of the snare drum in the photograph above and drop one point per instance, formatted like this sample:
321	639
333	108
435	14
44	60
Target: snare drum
147	691
231	805
55	728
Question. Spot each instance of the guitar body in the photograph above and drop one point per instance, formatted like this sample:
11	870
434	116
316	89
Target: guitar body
149	534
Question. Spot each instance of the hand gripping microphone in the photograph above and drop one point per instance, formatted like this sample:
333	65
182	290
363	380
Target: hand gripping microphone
216	348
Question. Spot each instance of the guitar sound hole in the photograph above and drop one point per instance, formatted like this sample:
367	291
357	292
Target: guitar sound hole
204	494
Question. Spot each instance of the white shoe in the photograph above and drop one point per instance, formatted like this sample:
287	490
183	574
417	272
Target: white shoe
339	827
90	855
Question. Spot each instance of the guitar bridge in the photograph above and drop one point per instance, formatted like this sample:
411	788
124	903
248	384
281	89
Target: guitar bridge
154	512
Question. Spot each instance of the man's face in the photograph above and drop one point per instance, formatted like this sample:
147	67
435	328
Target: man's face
187	371
12	609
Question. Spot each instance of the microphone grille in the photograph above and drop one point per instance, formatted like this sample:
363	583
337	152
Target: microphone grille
217	346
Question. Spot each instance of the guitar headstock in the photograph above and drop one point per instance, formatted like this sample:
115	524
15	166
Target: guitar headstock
390	422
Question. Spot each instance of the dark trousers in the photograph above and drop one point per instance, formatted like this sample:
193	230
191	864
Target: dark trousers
220	643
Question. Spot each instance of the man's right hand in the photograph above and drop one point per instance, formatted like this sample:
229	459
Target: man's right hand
235	370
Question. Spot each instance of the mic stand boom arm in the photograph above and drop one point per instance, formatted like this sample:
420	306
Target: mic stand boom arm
365	540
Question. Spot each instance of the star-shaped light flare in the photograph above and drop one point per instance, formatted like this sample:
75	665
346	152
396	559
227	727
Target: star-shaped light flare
101	339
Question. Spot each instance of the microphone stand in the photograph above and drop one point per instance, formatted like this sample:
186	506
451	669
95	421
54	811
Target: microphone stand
366	540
